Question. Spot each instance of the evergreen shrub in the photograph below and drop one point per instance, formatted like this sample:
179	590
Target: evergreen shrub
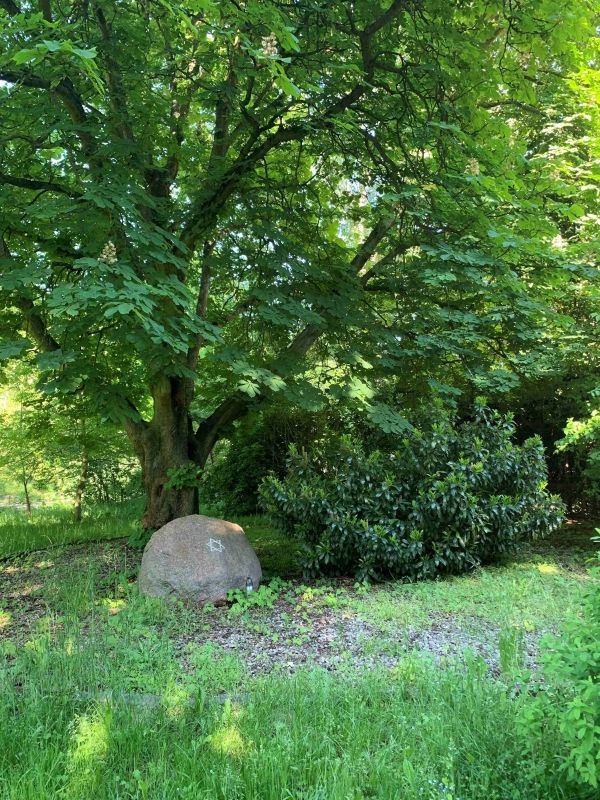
444	501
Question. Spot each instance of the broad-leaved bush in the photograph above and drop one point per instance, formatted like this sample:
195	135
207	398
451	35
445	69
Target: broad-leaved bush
444	501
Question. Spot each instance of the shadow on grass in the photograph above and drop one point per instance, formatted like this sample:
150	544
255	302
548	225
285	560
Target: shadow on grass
277	553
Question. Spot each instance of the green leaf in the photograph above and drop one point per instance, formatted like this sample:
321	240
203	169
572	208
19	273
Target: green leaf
30	55
286	85
13	349
85	53
389	420
248	387
53	359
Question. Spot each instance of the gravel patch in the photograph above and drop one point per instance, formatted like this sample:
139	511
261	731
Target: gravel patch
336	640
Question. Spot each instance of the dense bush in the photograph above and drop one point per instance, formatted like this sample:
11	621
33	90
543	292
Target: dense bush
445	501
568	706
255	446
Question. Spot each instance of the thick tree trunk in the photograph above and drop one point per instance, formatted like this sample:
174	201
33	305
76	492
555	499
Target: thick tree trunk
172	455
166	449
166	497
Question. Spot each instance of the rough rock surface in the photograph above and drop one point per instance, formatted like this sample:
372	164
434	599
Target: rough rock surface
198	559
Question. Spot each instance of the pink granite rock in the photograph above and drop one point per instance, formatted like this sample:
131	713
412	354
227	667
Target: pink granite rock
198	558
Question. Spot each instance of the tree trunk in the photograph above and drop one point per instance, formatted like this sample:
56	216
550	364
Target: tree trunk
81	483
172	455
26	490
166	482
166	449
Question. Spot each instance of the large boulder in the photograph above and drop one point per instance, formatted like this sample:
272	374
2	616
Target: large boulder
198	558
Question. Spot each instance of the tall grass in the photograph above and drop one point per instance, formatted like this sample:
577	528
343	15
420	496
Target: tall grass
76	722
48	527
102	702
54	526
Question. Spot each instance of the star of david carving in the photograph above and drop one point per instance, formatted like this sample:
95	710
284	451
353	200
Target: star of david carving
215	545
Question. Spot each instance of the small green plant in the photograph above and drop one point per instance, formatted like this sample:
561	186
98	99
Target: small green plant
264	597
139	538
187	476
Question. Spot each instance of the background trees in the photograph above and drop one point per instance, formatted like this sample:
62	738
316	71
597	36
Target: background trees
212	204
54	447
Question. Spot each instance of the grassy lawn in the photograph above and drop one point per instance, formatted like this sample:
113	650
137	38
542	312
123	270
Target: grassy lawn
314	691
53	526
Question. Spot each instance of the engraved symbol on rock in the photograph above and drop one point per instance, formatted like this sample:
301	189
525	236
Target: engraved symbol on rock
215	545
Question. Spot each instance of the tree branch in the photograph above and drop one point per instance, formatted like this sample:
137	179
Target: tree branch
67	94
304	340
115	82
36	185
202	303
35	324
209	429
10	6
236	406
46	10
206	209
388	258
514	103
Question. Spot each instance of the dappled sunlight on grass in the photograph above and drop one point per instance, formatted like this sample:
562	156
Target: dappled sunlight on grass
110	682
25	591
532	594
175	699
549	569
90	738
70	646
228	739
113	605
88	751
12	570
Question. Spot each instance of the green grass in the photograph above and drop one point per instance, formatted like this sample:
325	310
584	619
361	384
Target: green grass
76	722
102	699
277	553
54	526
48	527
531	594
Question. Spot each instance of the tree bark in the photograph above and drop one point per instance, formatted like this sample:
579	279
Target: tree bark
165	447
27	498
166	499
81	484
172	454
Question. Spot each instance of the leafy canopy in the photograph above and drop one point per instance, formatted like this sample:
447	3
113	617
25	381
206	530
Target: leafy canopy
205	192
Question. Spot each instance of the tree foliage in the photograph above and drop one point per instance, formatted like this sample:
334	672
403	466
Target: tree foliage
207	204
55	446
